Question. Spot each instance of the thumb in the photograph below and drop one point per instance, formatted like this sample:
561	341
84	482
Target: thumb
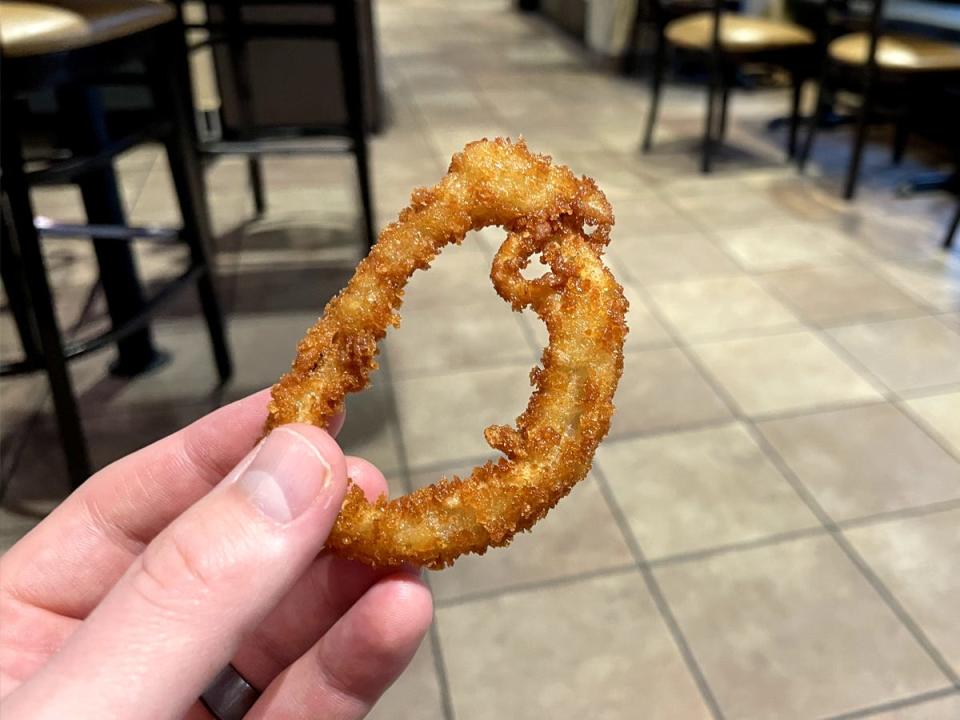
180	611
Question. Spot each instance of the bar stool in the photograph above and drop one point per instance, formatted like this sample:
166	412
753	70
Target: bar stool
75	47
728	41
908	66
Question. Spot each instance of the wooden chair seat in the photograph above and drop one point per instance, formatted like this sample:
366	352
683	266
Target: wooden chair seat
898	53
739	34
29	29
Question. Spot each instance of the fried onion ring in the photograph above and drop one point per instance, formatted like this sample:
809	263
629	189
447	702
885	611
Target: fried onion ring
544	209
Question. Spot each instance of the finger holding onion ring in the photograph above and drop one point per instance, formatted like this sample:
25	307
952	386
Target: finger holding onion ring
546	211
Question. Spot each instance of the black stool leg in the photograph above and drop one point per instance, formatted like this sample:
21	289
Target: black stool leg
656	88
713	91
797	79
819	114
23	243
722	119
351	72
255	169
83	120
952	230
169	76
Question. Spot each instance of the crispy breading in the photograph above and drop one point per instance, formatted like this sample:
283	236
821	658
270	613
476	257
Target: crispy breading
545	210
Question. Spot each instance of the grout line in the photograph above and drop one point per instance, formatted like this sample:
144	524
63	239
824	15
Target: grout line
440	668
439	664
828	523
535	586
900	514
895	704
904	408
663	607
745	545
929	391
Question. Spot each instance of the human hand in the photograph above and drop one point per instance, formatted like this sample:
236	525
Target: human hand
193	553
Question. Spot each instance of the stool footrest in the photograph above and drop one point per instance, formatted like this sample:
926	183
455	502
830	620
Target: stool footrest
51	229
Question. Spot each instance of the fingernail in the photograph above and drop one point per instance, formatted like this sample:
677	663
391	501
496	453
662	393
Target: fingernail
286	476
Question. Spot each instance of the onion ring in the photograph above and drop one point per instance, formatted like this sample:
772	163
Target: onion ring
544	209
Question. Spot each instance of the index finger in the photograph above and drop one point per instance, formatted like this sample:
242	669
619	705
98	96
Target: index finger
70	560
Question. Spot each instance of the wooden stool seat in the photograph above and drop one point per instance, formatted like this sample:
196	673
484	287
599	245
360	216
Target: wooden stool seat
738	34
29	29
898	53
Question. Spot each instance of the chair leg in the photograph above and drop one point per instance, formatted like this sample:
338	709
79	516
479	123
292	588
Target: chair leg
722	119
353	85
24	242
255	169
819	114
794	115
83	118
713	91
656	87
169	83
952	229
859	140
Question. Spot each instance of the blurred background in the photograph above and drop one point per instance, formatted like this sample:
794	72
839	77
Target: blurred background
771	528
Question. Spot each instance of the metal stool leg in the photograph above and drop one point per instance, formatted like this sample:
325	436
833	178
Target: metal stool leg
656	88
169	81
952	230
347	44
24	243
83	121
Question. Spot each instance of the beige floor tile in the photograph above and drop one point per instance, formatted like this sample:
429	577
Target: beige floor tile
866	460
794	631
580	535
442	417
701	309
778	373
416	694
944	708
916	559
660	390
840	293
941	414
749	211
935	281
458	276
696	490
648	258
905	354
445	339
605	652
786	246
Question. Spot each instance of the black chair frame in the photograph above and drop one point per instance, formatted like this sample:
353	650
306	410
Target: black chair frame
235	32
722	66
893	95
77	75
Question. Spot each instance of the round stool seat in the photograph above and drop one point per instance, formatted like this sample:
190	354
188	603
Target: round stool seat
738	33
38	28
902	53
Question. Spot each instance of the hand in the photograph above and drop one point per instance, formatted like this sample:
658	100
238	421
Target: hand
193	553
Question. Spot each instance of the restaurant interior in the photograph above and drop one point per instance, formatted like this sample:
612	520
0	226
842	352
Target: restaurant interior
770	527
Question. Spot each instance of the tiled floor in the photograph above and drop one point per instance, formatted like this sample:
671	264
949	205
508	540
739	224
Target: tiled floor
771	530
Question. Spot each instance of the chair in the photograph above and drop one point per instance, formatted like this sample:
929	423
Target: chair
231	27
728	41
73	48
904	67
